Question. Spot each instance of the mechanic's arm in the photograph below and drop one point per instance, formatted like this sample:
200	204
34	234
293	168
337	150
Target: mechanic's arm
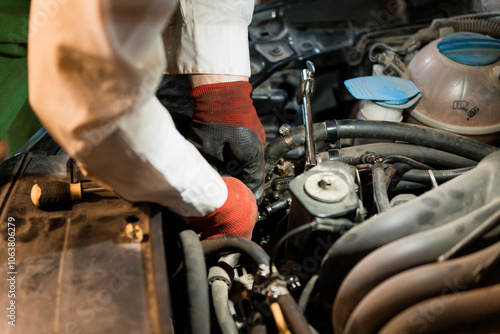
209	41
94	67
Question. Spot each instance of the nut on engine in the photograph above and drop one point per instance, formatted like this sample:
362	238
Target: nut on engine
326	191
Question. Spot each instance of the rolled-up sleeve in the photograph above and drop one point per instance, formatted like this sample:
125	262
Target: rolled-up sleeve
209	37
94	67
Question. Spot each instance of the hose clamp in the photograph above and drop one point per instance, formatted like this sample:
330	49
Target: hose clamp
285	130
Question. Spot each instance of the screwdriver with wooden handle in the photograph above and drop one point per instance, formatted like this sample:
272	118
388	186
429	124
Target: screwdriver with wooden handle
52	195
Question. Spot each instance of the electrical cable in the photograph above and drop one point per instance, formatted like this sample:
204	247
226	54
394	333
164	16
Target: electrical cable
320	224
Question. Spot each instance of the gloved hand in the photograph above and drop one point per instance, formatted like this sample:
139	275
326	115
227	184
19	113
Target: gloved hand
226	129
236	217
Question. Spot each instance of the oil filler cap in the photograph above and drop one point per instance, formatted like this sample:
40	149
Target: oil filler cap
470	48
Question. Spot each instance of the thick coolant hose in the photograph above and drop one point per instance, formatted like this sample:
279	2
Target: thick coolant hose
379	189
400	255
415	285
410	133
437	207
465	312
415	134
430	156
258	255
196	274
294	317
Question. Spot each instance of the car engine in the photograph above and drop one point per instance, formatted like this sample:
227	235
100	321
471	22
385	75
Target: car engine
381	211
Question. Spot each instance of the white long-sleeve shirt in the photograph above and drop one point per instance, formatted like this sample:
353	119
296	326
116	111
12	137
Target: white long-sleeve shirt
94	67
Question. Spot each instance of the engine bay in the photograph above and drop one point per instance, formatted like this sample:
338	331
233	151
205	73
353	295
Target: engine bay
381	209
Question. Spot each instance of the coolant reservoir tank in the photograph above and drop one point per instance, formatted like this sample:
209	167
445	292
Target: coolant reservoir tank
459	77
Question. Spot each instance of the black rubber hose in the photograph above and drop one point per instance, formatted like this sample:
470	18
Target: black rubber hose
278	147
409	161
196	275
408	186
379	190
391	171
474	311
415	285
422	176
351	155
437	207
305	296
220	297
410	133
258	255
415	134
400	255
293	316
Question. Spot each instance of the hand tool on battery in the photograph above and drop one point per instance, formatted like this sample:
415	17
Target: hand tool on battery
306	91
56	194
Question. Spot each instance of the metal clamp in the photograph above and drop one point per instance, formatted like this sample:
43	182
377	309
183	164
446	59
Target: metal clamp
287	137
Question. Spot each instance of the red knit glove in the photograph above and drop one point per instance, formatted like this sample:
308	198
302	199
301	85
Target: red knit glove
226	129
236	217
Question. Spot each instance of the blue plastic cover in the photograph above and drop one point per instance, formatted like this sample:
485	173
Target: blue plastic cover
406	105
385	89
469	48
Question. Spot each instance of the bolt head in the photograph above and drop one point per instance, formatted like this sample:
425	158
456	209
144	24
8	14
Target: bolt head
327	187
284	128
327	181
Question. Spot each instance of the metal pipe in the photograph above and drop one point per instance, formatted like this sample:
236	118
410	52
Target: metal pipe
481	230
465	312
393	296
398	256
279	319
